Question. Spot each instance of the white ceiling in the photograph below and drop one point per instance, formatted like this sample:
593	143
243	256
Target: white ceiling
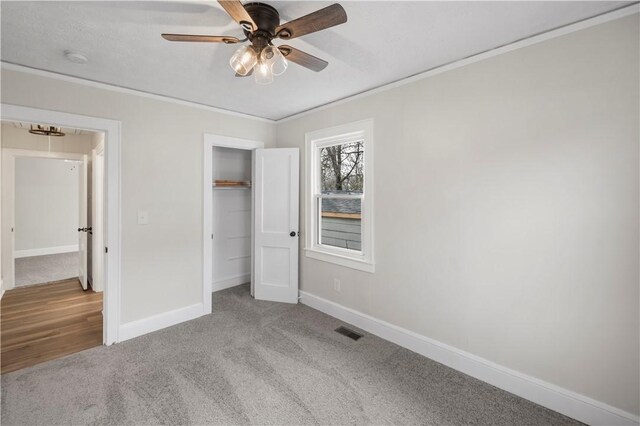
382	42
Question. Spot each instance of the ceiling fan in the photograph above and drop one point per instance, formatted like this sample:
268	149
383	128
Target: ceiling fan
261	24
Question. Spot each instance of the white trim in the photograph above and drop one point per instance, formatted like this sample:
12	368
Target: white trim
348	262
539	38
111	129
548	395
209	142
157	322
229	282
113	88
97	214
231	142
363	260
45	251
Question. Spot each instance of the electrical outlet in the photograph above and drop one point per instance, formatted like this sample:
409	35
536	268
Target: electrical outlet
336	285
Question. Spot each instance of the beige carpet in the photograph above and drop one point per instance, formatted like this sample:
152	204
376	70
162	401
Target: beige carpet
48	268
253	362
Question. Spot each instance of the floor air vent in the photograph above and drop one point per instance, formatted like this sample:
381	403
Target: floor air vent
349	333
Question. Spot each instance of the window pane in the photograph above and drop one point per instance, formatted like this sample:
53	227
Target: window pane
342	168
340	223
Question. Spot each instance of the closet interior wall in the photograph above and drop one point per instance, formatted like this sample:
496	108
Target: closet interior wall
231	218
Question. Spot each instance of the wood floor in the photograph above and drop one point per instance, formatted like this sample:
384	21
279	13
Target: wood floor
48	321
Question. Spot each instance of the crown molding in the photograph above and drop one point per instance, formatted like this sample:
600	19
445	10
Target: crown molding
519	44
9	66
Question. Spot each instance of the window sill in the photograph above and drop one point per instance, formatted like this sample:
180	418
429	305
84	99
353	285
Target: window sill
360	265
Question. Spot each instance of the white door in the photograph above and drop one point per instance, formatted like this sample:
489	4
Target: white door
275	183
82	224
97	219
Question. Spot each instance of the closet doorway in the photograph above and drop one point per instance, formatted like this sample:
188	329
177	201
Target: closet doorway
250	218
231	209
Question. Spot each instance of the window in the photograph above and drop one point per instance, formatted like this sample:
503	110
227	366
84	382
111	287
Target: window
339	212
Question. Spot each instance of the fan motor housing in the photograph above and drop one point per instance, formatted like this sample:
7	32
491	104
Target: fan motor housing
266	17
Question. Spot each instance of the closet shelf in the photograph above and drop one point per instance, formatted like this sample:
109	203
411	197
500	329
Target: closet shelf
231	184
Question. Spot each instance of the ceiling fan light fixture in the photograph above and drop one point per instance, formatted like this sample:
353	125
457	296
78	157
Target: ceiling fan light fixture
263	73
261	24
38	129
272	56
243	60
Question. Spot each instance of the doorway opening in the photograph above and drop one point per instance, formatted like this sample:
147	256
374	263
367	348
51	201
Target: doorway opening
231	207
46	204
250	219
111	242
52	201
239	186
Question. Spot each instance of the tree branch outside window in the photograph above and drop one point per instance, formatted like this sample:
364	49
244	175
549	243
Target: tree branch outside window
342	168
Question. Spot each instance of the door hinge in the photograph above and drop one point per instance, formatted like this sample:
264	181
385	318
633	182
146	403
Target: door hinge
106	249
212	236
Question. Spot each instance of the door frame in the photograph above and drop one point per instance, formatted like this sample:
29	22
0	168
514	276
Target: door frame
211	141
84	205
97	204
112	219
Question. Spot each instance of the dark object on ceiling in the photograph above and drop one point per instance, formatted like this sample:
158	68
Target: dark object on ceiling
261	25
38	129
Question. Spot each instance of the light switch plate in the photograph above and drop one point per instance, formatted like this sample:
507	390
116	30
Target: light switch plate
143	217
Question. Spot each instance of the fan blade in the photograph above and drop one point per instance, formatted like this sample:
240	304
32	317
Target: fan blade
200	38
236	10
319	20
302	58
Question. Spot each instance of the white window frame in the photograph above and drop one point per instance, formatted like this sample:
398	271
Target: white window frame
314	142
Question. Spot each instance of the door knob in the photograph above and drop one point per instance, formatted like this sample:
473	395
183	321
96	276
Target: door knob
292	234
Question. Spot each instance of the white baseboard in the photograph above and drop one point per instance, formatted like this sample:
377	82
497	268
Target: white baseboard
157	322
554	397
230	282
44	251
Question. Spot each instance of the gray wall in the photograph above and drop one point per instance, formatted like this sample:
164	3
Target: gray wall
506	205
46	203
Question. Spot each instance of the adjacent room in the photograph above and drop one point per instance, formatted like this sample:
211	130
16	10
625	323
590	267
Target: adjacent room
47	195
306	212
52	202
